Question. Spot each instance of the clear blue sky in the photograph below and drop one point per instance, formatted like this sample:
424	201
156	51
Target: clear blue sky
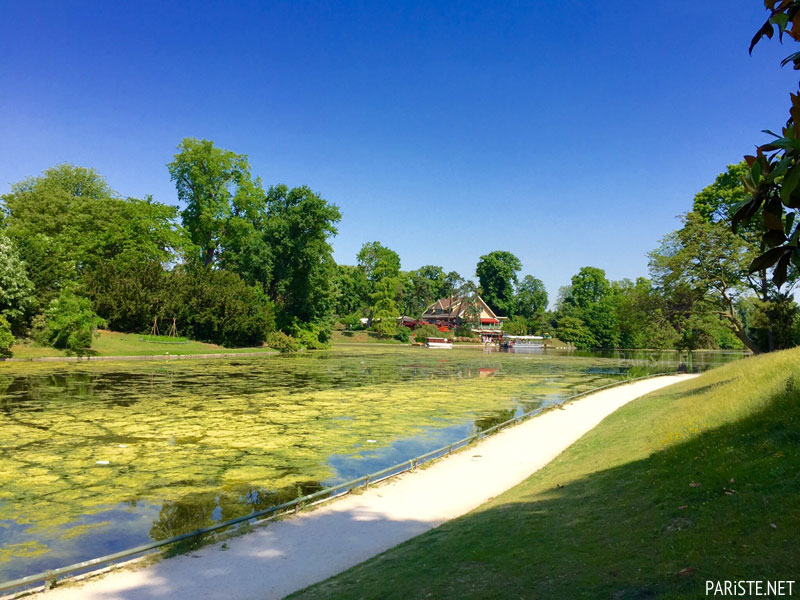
569	133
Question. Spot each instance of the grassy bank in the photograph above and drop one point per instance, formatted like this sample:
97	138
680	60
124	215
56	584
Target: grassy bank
111	343
697	481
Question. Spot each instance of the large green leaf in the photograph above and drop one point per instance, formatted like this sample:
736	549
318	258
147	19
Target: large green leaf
768	259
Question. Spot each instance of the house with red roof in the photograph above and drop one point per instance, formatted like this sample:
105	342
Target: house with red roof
455	312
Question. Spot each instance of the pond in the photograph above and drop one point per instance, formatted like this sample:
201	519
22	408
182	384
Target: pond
99	457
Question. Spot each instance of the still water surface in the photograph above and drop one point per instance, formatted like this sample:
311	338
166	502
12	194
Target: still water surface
100	457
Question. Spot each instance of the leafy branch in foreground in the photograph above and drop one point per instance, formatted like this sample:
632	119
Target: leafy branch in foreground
773	176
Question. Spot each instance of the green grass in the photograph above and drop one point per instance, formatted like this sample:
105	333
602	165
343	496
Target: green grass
617	514
163	339
111	343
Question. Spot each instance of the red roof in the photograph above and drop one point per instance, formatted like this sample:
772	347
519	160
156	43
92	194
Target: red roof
488	320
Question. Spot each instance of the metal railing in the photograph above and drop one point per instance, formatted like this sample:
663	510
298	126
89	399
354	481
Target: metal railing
293	506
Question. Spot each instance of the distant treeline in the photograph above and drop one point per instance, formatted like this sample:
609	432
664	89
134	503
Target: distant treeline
244	265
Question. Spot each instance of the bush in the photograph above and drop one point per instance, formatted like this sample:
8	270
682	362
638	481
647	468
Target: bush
127	293
464	332
214	305
403	334
423	332
70	322
312	336
277	340
352	322
385	328
6	338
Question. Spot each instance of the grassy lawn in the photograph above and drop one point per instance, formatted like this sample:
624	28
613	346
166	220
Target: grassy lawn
697	481
111	343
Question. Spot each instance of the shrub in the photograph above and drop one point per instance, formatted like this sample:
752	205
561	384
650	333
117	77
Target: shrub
312	336
277	340
423	332
352	321
127	293
403	334
6	338
214	305
464	332
385	328
70	322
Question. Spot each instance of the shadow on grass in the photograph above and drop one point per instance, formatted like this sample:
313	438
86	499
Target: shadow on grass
725	504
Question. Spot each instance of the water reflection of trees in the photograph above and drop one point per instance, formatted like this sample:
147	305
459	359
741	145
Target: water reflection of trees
205	509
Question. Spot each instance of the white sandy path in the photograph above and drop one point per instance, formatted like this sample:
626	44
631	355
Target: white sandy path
289	555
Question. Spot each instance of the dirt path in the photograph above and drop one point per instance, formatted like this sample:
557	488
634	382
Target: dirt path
289	555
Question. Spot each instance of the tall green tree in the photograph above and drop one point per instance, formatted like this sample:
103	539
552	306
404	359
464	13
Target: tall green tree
223	202
642	315
298	227
531	301
378	261
775	308
588	307
589	287
352	292
710	259
497	276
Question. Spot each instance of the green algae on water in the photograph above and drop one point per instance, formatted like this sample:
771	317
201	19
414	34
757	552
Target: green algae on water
122	452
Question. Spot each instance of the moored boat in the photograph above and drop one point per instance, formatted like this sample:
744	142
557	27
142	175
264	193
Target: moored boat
435	342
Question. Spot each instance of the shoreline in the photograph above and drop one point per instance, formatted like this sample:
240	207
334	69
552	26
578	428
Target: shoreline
112	358
293	553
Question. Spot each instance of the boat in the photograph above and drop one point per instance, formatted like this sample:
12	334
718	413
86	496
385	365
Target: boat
436	342
522	341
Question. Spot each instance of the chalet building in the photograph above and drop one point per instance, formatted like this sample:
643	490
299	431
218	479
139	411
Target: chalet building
453	312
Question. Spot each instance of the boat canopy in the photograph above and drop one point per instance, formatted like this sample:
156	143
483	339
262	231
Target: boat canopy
524	337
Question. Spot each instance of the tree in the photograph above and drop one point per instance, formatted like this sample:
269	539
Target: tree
588	304
222	199
717	203
497	276
516	326
573	330
352	293
298	226
426	285
709	258
531	299
68	222
378	261
16	290
589	287
642	315
468	293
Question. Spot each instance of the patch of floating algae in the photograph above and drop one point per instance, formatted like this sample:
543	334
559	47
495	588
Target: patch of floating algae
22	550
212	440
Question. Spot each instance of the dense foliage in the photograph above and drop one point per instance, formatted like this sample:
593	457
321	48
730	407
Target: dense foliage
241	263
6	338
234	264
70	322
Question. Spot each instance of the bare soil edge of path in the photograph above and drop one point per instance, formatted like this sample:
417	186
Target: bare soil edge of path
291	554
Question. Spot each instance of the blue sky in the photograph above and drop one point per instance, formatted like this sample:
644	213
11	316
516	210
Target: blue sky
569	133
